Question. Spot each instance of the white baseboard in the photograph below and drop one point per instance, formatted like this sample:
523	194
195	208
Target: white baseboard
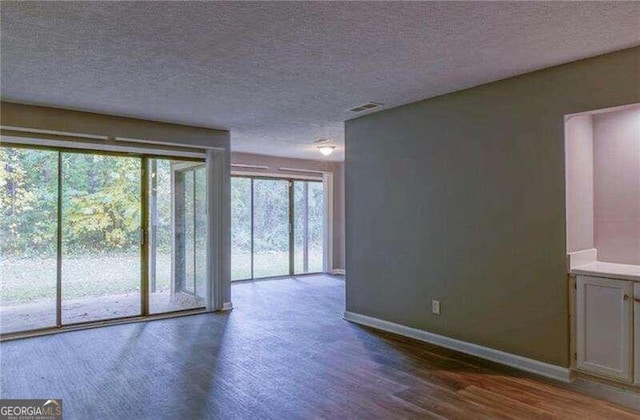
338	271
519	362
227	306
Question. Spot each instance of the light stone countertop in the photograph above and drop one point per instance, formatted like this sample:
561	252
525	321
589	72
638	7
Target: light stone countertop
610	270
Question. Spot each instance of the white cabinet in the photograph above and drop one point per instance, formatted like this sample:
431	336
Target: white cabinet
604	327
636	335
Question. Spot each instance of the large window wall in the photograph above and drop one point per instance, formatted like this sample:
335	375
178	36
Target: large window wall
277	227
92	236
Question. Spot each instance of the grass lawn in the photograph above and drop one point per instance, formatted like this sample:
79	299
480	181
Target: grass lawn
28	280
269	264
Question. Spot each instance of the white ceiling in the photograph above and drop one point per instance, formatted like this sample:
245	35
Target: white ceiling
280	75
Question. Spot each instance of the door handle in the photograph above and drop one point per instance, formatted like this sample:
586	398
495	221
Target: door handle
637	299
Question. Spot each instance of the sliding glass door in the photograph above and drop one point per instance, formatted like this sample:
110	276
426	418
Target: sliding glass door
308	227
270	228
28	239
187	286
241	228
177	231
92	236
277	227
101	231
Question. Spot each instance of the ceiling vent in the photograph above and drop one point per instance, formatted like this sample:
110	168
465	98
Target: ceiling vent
365	107
321	141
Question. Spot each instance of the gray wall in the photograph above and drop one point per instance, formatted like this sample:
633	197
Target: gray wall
337	168
461	198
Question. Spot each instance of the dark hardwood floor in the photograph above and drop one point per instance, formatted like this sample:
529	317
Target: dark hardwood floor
283	352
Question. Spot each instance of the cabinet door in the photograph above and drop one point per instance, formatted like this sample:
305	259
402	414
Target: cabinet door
636	335
604	327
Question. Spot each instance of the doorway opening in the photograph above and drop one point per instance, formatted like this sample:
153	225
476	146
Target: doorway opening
277	227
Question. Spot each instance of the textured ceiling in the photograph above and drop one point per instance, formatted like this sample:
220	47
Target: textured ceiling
280	75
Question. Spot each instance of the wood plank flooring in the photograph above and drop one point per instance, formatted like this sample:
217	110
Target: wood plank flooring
284	352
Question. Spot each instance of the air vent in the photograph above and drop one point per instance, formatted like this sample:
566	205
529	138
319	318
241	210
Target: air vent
321	141
365	107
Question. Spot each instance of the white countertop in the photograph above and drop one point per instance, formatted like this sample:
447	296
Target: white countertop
610	270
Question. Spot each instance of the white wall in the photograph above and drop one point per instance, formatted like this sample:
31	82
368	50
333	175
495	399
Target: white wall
616	168
579	157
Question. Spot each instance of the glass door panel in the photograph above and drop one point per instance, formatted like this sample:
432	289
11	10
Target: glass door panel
160	233
186	233
308	226
178	240
315	229
270	227
101	219
200	232
28	239
300	238
240	228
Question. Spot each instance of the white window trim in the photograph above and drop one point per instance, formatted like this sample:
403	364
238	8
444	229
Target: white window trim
60	141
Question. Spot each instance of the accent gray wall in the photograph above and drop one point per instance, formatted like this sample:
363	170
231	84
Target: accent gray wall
461	198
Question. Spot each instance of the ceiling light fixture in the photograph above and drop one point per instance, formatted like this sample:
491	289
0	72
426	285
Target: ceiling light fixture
326	150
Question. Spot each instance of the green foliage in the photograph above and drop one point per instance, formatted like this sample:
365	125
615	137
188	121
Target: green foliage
271	215
28	201
101	206
241	213
101	202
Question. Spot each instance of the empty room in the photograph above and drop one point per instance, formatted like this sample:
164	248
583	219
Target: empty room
349	209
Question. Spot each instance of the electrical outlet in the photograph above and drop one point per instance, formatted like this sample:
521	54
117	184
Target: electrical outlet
435	307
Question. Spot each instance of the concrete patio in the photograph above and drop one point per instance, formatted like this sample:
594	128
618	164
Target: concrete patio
42	314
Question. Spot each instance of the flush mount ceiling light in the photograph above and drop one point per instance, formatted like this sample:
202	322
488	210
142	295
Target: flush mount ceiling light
326	149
